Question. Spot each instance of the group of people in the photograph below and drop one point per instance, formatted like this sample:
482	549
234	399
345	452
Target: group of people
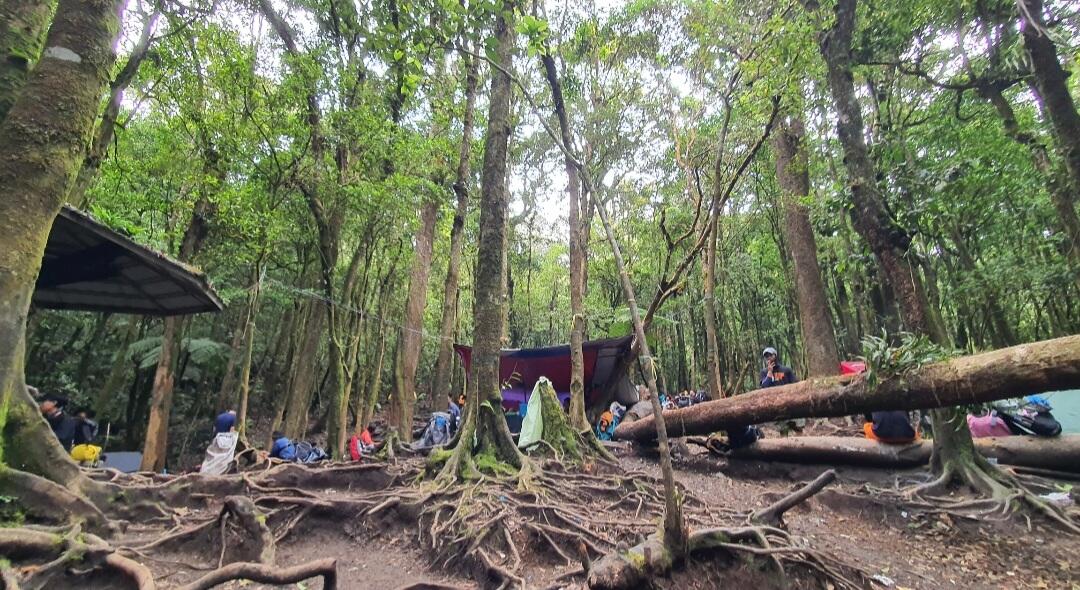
77	433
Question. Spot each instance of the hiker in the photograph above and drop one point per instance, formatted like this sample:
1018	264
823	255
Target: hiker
63	426
84	451
774	374
222	449
225	422
609	420
362	444
455	413
283	448
892	427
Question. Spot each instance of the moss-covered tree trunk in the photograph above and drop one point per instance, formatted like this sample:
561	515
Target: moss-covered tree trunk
444	363
485	442
304	365
23	24
106	128
42	143
890	244
1050	82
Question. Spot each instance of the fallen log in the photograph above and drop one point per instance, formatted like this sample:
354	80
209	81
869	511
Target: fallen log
1038	367
1060	453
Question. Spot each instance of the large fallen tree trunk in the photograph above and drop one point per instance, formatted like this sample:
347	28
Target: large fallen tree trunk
1050	365
1059	454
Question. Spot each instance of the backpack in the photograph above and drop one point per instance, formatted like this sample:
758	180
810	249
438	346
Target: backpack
309	453
1028	422
354	448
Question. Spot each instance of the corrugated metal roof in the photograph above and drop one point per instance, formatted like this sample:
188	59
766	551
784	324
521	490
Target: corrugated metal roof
89	267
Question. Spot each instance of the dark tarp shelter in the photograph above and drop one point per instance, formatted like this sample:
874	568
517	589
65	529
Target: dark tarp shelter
520	368
89	267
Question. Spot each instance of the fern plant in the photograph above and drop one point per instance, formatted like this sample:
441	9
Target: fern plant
885	361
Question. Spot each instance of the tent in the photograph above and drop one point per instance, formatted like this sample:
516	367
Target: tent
89	267
520	368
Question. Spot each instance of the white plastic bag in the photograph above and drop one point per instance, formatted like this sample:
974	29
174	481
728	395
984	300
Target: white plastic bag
532	427
219	455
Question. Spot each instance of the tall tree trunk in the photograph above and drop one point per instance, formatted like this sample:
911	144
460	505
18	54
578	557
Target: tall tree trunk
229	379
675	534
819	340
484	430
155	448
1050	83
42	143
712	340
411	341
107	127
444	364
23	24
954	449
328	223
302	383
1062	192
249	346
578	262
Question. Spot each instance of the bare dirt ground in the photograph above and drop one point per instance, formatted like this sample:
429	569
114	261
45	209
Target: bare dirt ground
911	549
905	548
889	545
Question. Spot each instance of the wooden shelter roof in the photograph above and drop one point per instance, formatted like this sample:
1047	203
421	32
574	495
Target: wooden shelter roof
89	267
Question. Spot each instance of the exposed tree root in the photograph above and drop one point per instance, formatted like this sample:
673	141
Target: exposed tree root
269	574
774	514
63	552
1000	494
46	501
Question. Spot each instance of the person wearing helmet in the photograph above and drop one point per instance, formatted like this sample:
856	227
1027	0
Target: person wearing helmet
774	373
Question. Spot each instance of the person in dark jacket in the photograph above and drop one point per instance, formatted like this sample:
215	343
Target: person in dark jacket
225	422
893	427
283	448
774	373
63	426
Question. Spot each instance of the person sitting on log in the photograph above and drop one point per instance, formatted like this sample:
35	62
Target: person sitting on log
893	427
63	426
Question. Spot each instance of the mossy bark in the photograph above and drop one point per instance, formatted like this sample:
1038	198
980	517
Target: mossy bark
23	24
42	143
559	435
444	365
485	443
954	455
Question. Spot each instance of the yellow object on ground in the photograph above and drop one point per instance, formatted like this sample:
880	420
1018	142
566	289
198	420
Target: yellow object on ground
86	453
